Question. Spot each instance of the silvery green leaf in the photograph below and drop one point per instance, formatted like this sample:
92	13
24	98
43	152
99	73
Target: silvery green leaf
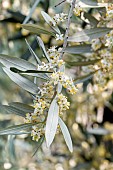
41	75
13	110
22	81
16	128
59	88
51	22
66	134
78	49
23	107
31	11
91	4
41	44
83	63
98	131
15	70
33	53
92	20
52	122
18	63
11	148
84	78
37	29
89	34
39	143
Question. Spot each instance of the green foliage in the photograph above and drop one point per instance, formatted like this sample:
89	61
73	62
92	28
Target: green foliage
88	133
66	134
88	35
52	122
37	29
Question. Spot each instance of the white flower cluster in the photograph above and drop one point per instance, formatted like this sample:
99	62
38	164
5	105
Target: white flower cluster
59	37
63	103
96	44
37	132
109	40
61	17
64	80
78	9
54	55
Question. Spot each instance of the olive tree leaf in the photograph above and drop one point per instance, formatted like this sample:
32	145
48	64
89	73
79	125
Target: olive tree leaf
37	29
14	129
41	44
11	148
39	143
92	20
78	49
59	88
22	81
33	53
50	22
66	134
89	34
18	63
22	106
84	78
31	11
83	63
13	110
52	122
15	70
90	2
98	131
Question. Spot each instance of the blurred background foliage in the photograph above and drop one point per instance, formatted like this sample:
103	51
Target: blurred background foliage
92	150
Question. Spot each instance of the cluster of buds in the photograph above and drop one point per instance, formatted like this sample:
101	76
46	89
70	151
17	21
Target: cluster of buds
109	40
66	82
60	18
78	9
37	132
63	103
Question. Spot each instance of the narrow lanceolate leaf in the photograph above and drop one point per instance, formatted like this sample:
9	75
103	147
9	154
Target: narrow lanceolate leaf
98	131
22	81
52	122
15	70
51	22
13	110
23	107
78	49
83	63
66	134
41	44
31	11
89	34
41	75
92	20
84	78
90	2
14	129
37	29
33	53
18	63
39	143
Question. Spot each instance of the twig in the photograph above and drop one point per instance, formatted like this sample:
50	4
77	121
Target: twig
67	27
